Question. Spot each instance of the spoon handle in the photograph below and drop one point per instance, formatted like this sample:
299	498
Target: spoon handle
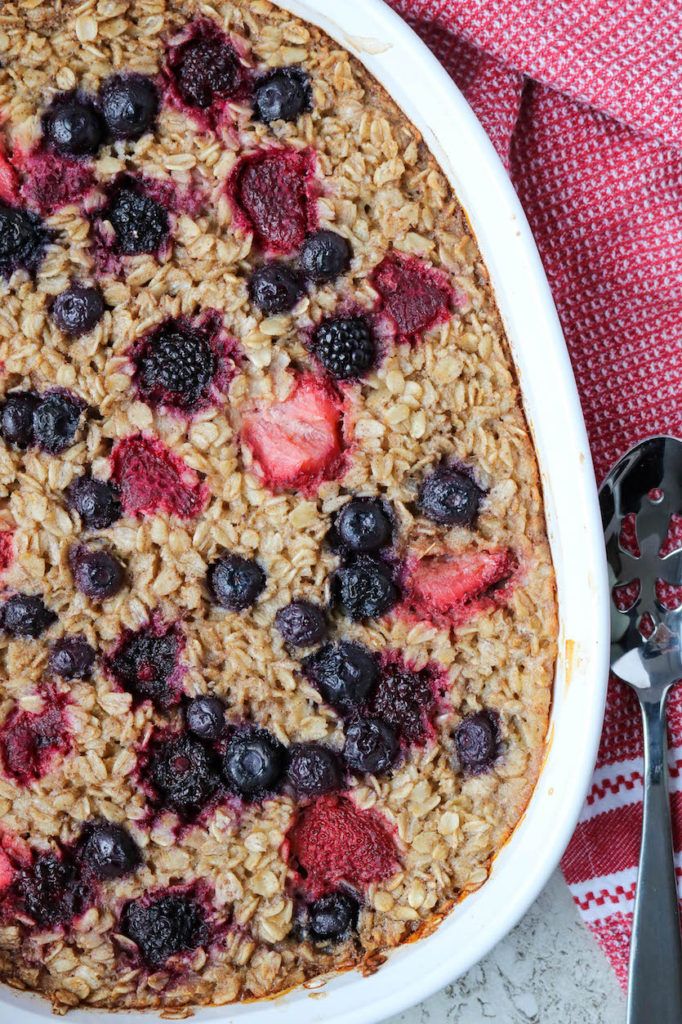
655	982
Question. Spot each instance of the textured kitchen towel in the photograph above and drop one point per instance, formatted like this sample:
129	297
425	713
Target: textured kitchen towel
583	101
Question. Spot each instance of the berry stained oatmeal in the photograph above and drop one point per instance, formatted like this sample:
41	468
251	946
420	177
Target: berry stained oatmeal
277	608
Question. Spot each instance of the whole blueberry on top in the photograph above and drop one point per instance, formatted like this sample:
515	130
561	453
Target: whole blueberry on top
235	582
140	223
333	917
275	288
254	763
371	746
78	309
206	69
282	95
171	924
96	501
205	717
344	673
16	418
97	573
476	742
183	774
364	589
175	367
73	126
55	421
345	346
108	850
301	623
72	657
26	615
129	105
449	497
363	525
313	769
23	238
325	256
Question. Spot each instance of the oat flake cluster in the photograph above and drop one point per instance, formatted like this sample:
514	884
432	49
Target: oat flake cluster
277	609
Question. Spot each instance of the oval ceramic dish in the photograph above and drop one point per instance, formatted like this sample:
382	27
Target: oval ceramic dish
427	95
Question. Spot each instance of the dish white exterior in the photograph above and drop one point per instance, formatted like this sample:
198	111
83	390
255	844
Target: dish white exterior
418	83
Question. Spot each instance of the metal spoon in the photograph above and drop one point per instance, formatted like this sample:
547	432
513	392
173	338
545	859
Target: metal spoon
647	481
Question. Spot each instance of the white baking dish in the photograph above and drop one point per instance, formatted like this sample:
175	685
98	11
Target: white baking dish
408	71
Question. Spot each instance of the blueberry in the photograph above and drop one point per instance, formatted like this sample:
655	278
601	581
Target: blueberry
363	525
344	674
235	582
313	769
183	775
16	418
325	256
476	742
140	223
282	95
205	717
371	746
72	125
206	69
345	346
23	238
25	615
55	421
51	891
108	850
275	288
301	623
78	310
254	763
449	497
175	366
144	665
96	572
168	925
96	502
364	590
333	917
129	105
72	658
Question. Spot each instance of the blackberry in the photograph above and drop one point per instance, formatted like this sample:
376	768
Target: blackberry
405	700
206	69
51	891
175	366
345	346
23	238
145	663
183	775
140	223
170	924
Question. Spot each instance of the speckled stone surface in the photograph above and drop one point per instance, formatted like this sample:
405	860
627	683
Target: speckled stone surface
549	970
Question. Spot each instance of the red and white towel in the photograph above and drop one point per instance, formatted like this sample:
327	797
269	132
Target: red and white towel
583	101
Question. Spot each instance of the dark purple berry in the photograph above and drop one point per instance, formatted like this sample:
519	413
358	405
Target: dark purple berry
182	772
254	763
140	223
314	769
345	346
325	256
235	582
301	624
371	746
333	917
108	850
364	589
344	674
129	105
145	663
25	615
363	525
168	925
205	717
78	309
73	126
476	742
206	69
449	497
55	421
96	501
405	699
16	418
175	366
96	572
282	95
275	288
72	657
23	239
51	891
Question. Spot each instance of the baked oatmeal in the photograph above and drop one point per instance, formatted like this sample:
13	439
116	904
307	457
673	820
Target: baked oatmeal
277	616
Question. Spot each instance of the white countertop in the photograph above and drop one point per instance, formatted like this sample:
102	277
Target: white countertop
549	970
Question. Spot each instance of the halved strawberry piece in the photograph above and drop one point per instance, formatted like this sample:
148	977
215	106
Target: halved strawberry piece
448	590
414	294
6	871
9	183
298	442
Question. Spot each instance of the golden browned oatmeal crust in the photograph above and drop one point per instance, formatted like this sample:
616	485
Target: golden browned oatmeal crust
451	394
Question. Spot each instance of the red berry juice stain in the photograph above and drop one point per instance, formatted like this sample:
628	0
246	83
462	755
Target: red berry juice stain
30	741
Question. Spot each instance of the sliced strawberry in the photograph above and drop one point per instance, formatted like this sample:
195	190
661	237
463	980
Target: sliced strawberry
6	871
448	590
298	442
414	295
9	183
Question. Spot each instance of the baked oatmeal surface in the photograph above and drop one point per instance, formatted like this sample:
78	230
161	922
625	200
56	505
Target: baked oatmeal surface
203	379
